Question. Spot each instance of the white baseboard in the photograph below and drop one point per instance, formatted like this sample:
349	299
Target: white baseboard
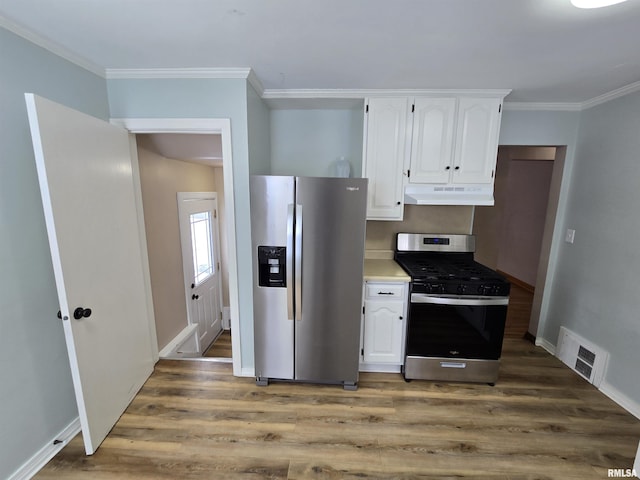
620	398
47	452
174	344
547	345
613	393
226	318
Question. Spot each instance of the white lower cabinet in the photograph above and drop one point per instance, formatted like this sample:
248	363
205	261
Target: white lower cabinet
383	326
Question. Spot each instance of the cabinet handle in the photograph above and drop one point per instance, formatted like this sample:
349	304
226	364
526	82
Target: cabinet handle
448	167
385	293
398	203
400	317
457	168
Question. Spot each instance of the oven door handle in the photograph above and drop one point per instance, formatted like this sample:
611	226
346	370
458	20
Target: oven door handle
468	300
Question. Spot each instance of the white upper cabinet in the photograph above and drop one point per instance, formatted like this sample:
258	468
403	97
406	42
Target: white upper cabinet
432	140
385	150
455	140
439	148
476	145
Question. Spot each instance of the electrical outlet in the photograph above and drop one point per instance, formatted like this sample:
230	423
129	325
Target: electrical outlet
570	236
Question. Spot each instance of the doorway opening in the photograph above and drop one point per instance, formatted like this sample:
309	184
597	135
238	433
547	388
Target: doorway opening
181	179
194	155
514	236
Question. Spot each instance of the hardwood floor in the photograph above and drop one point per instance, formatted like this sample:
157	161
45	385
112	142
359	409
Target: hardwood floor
518	312
194	420
221	348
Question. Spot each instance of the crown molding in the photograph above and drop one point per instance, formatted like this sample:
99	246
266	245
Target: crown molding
245	73
333	93
157	73
255	82
51	46
542	106
620	92
574	107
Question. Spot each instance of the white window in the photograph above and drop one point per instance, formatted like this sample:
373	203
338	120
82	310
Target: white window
201	246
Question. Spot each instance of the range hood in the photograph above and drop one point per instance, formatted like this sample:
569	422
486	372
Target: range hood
449	195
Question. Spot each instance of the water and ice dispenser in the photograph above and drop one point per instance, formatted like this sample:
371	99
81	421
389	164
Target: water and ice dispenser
272	270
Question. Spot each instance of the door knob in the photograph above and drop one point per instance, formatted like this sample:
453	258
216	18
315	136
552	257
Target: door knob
80	312
195	297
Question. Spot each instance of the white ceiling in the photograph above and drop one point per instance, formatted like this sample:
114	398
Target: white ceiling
198	148
545	50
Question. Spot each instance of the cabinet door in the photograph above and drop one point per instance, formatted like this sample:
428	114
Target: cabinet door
383	327
478	126
432	140
384	154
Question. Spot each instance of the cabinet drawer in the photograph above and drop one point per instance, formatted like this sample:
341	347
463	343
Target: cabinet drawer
383	290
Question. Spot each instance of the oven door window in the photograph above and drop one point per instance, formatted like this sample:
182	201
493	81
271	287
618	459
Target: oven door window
456	331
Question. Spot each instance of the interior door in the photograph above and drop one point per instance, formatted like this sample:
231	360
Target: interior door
198	220
86	183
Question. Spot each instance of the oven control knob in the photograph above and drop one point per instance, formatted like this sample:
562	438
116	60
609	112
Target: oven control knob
461	289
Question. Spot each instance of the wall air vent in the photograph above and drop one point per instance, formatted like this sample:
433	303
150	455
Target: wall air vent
582	357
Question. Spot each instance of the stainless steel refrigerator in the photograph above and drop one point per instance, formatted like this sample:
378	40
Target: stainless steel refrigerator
308	237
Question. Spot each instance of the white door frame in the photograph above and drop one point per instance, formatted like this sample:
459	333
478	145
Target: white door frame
216	126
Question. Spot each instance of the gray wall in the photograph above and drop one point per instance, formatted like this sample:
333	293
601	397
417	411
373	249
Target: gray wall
36	392
308	142
596	280
259	134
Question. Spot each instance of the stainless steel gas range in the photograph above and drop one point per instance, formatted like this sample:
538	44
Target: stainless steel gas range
457	309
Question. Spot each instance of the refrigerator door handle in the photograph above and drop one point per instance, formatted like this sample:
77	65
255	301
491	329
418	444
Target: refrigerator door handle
289	260
298	262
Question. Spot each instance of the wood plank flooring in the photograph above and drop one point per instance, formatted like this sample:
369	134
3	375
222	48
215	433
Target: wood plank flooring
221	348
518	312
194	420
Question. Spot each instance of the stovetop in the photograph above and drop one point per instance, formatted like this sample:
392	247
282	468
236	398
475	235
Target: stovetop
451	273
443	264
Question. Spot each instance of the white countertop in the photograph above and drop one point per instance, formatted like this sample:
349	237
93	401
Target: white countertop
379	266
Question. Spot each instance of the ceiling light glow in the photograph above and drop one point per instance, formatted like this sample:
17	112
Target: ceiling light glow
594	3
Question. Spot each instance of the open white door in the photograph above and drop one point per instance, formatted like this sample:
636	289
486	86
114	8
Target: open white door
86	182
198	220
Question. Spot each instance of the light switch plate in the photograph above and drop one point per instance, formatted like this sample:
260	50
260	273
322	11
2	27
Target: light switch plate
570	236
